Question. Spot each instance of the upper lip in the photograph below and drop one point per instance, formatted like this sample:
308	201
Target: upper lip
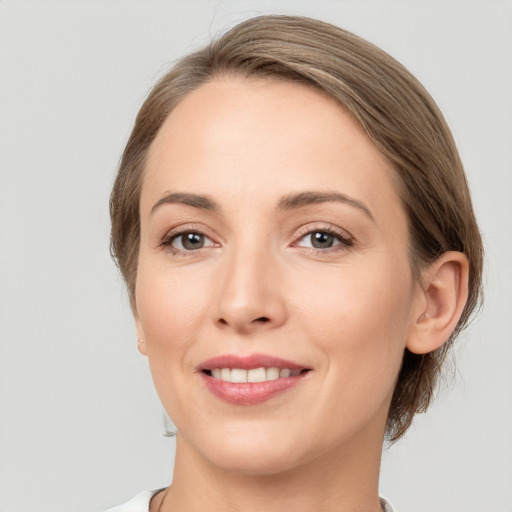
249	362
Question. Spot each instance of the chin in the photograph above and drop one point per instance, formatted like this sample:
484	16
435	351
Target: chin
254	462
252	452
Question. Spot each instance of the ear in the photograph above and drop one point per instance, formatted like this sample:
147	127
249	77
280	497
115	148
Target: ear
141	339
443	297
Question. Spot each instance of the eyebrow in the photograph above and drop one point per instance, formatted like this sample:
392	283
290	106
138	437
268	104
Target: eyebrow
293	201
189	199
287	202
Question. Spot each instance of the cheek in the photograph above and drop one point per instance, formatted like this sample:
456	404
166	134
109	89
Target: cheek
170	311
360	320
169	308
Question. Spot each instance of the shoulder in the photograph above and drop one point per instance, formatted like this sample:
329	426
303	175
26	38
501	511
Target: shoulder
386	505
139	503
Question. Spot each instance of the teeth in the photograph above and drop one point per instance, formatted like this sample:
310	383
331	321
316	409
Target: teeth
273	373
239	375
256	375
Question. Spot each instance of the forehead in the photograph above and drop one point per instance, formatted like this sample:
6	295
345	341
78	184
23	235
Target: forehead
235	137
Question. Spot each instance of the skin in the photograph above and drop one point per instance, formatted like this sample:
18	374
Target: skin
258	286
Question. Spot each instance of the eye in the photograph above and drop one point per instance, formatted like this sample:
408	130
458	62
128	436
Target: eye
323	239
189	241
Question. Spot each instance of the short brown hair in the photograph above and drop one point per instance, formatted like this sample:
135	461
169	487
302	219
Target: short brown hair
399	116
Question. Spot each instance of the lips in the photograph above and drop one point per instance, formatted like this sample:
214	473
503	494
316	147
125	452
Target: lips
250	380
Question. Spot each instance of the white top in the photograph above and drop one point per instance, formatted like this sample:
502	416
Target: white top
140	503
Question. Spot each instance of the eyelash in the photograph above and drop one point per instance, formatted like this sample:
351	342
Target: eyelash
345	241
169	238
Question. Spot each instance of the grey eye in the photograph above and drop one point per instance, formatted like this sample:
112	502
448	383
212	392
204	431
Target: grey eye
320	240
191	241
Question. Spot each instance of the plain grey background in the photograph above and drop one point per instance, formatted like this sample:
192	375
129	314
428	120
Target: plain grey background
80	424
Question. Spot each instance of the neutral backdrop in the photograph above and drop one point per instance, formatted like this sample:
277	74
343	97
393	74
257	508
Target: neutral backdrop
80	424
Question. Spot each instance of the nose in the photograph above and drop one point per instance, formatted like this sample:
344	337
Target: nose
251	295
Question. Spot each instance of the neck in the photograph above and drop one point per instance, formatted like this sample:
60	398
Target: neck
342	481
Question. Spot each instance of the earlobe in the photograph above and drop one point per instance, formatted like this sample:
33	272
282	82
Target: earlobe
141	340
445	292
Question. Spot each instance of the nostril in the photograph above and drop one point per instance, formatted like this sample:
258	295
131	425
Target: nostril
241	323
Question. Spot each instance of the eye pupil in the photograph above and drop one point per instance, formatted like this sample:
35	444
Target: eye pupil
193	241
322	240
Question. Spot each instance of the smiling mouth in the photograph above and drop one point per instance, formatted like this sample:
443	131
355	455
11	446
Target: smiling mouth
262	374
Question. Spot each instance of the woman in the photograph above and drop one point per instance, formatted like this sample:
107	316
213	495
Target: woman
297	237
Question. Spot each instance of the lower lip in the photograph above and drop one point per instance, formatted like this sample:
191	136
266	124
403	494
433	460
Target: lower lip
249	393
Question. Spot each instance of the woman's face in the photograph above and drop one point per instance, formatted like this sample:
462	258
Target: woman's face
273	249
